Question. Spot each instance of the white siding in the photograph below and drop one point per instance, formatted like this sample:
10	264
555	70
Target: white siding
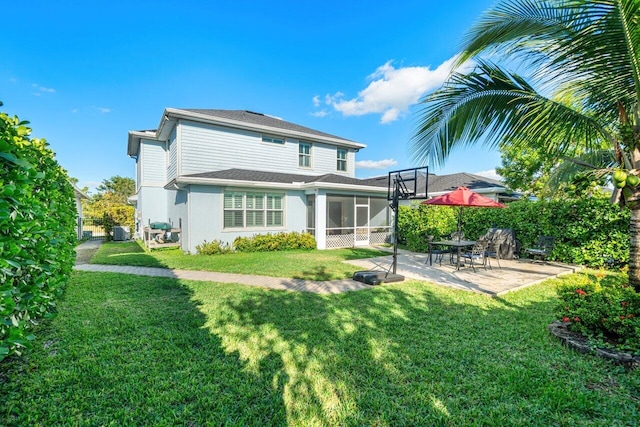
138	174
206	148
172	165
152	160
325	160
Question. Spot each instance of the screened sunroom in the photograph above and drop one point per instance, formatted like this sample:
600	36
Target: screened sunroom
340	220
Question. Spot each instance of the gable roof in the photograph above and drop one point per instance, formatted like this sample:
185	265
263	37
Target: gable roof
238	119
251	117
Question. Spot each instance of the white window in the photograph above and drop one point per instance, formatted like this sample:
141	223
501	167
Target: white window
275	210
253	210
304	155
342	160
233	210
272	139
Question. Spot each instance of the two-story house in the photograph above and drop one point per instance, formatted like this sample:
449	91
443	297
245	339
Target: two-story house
221	174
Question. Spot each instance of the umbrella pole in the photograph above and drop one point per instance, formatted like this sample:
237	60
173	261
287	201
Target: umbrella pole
459	222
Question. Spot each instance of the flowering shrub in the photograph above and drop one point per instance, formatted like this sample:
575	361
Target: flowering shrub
214	247
275	242
603	308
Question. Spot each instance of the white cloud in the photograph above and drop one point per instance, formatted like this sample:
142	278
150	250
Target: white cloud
320	113
376	164
392	91
43	89
104	110
316	101
491	173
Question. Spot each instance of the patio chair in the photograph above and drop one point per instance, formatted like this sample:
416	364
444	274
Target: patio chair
439	253
478	254
543	248
494	246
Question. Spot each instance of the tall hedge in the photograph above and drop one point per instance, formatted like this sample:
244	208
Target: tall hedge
37	233
590	232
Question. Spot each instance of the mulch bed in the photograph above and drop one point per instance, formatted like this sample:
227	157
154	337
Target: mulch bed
577	341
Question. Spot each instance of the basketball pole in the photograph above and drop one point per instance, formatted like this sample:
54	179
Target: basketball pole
394	207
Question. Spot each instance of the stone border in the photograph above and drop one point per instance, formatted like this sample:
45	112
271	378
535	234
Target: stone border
578	342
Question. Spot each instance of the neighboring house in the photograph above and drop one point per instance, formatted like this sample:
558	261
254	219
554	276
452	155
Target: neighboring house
220	174
79	195
441	184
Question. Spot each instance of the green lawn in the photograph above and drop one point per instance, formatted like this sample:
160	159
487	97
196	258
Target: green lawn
313	265
129	350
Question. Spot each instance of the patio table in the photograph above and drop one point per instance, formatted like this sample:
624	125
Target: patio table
459	244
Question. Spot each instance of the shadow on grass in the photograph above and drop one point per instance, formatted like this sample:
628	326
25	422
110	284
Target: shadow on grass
396	356
133	351
136	350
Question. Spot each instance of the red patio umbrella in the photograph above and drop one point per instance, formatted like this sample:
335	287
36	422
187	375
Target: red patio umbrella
463	197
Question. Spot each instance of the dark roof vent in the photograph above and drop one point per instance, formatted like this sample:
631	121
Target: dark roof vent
253	112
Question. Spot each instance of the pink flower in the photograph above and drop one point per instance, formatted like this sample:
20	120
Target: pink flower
629	316
580	292
623	317
565	319
576	319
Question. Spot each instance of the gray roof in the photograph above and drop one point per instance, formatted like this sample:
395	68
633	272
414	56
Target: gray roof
286	178
444	183
437	183
260	119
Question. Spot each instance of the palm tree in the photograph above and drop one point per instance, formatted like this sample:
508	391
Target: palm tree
519	63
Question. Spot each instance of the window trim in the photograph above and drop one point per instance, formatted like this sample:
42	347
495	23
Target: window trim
265	210
273	140
303	155
340	160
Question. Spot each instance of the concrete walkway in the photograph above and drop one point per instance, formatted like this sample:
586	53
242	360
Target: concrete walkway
86	250
514	274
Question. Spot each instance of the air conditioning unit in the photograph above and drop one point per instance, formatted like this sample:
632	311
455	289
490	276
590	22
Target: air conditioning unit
121	233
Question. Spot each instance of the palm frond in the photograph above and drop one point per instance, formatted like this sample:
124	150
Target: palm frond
593	44
493	103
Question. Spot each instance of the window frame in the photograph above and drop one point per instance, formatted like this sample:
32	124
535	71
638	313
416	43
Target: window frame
302	155
250	207
344	161
273	140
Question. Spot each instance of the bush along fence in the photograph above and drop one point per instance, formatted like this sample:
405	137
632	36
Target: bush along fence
590	232
37	233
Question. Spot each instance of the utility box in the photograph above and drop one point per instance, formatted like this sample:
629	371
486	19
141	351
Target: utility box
121	233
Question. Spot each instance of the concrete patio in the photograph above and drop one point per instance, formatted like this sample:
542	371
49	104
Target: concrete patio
514	274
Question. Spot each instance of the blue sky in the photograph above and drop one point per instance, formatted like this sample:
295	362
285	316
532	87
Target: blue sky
85	73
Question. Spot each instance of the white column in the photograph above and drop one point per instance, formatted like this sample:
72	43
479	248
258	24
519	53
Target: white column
321	219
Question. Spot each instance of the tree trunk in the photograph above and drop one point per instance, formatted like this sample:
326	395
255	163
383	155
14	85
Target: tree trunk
634	249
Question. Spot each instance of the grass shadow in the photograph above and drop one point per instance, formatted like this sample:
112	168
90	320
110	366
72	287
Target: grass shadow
134	351
127	253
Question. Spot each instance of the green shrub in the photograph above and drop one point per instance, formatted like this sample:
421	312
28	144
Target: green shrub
417	221
214	247
37	233
588	231
603	308
275	242
117	215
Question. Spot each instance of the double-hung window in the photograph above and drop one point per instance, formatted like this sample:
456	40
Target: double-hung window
253	210
275	210
304	155
342	160
233	210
